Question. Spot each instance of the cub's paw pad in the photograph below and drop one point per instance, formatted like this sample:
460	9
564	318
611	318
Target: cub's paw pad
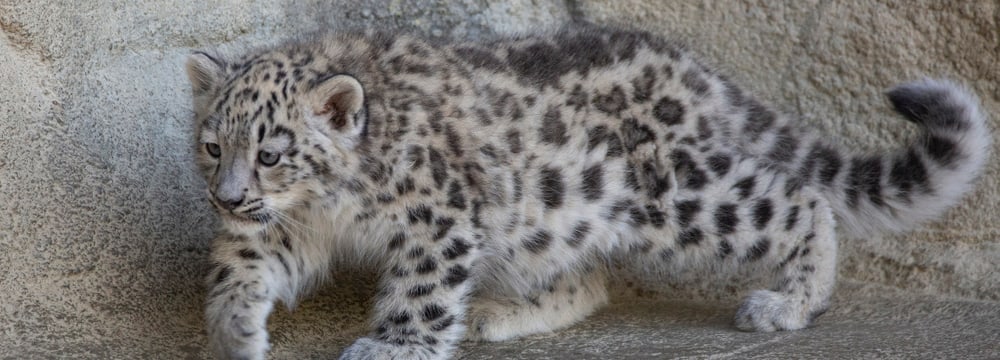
768	311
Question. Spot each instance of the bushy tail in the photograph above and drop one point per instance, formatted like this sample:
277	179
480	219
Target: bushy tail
897	191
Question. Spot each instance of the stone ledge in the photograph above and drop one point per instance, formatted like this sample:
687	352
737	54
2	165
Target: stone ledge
865	322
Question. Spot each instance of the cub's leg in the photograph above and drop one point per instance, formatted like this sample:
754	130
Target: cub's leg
753	219
420	305
249	275
567	299
803	278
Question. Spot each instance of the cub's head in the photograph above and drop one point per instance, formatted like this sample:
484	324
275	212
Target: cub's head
271	134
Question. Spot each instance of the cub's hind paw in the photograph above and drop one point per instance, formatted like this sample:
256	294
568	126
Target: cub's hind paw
768	311
371	349
493	321
501	320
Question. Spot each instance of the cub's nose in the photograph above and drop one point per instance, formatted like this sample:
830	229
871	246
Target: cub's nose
230	202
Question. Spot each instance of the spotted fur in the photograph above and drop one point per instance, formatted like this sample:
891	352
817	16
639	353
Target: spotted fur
490	182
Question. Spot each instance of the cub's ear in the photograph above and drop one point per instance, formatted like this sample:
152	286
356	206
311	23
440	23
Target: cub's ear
339	100
205	73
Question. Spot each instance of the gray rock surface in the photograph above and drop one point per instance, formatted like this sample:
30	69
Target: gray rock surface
103	231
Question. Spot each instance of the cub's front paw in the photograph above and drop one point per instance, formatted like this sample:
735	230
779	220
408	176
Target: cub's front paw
371	349
238	337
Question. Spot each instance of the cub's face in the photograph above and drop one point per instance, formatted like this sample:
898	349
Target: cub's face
267	144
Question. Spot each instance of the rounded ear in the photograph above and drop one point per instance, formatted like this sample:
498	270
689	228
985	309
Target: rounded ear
340	100
205	73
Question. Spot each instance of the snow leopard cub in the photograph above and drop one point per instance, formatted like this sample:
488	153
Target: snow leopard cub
491	181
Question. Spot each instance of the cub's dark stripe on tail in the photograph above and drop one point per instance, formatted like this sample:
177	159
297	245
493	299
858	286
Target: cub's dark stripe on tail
897	191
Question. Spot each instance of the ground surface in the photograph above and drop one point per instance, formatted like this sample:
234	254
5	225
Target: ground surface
895	325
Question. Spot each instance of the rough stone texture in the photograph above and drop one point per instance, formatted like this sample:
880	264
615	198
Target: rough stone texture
103	232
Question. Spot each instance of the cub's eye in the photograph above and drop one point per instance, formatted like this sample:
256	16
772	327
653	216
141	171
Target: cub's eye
213	149
268	158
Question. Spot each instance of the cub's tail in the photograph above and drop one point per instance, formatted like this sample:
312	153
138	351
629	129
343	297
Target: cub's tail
897	191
